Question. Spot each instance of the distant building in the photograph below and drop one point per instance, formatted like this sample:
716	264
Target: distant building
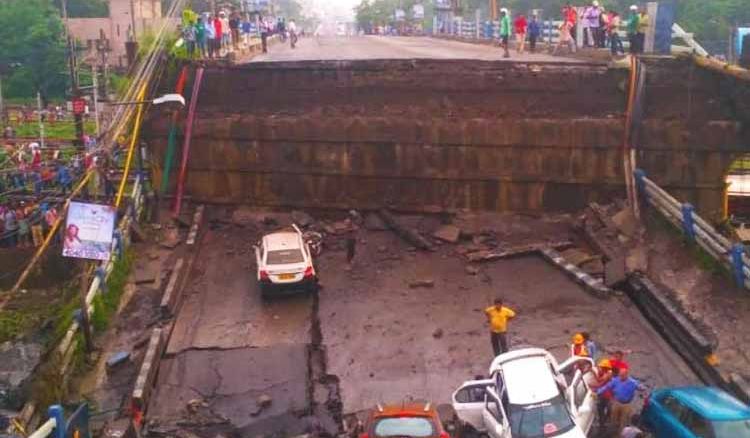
117	29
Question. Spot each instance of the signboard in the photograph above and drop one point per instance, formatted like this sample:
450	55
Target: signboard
79	106
418	12
88	231
400	15
742	33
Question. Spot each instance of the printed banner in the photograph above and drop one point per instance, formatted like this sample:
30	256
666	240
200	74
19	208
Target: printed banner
88	231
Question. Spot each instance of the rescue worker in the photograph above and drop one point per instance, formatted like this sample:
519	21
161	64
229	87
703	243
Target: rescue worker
578	348
603	403
498	317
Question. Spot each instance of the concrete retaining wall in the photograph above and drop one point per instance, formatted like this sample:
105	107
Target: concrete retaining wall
436	135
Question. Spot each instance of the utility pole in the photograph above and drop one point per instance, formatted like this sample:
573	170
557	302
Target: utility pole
73	67
94	74
41	119
2	106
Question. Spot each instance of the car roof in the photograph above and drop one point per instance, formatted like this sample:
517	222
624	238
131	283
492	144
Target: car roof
410	409
281	241
529	380
517	354
711	403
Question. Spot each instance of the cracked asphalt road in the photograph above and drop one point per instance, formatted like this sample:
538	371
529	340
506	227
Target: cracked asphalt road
229	347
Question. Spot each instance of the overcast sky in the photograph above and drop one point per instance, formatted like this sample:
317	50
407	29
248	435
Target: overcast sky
333	9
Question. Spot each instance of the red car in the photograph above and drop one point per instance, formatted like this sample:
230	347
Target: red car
407	420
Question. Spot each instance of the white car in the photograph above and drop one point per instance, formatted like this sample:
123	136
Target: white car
284	263
529	394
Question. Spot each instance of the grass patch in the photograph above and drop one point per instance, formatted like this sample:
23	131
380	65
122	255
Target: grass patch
60	130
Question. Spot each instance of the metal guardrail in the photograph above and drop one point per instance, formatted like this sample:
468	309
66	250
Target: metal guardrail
682	215
67	345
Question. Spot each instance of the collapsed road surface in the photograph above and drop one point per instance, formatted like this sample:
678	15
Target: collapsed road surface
398	324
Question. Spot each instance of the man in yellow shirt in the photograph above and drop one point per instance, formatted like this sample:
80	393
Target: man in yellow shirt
498	316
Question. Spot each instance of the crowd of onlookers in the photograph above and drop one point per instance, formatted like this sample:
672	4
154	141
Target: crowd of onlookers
212	35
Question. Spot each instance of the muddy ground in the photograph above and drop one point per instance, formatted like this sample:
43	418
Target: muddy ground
239	364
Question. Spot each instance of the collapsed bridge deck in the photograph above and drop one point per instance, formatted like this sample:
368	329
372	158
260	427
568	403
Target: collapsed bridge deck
435	135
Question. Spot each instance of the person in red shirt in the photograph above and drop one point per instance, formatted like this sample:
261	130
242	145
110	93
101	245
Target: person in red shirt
217	40
520	26
618	362
570	19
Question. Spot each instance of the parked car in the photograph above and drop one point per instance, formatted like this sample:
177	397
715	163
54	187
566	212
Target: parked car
285	263
692	412
407	420
529	394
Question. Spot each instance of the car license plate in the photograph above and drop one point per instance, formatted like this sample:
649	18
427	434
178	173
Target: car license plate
286	276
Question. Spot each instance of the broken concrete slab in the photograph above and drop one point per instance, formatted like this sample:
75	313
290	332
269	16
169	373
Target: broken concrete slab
425	283
472	270
170	238
448	233
486	255
577	256
594	267
302	219
637	260
410	236
626	222
146	275
117	359
615	271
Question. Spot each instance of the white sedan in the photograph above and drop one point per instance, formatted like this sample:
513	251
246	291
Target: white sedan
284	263
529	395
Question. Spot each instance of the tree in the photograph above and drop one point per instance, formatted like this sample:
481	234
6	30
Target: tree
85	8
31	40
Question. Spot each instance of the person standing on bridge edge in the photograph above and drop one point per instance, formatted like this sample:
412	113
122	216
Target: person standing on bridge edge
210	32
521	26
633	29
643	23
534	32
264	34
498	317
504	31
218	35
200	37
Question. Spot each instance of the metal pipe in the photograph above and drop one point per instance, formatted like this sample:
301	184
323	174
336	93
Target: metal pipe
188	137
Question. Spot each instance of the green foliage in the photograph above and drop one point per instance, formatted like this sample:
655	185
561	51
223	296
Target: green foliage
63	130
31	42
86	8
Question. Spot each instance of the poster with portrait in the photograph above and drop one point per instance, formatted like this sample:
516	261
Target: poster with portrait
418	12
88	231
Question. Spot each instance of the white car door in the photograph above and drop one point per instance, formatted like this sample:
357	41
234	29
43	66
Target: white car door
469	401
579	396
495	421
258	260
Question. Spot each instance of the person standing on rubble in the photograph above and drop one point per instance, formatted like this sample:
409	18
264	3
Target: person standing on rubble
498	317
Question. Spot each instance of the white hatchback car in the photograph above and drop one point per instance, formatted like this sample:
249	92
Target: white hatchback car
529	395
285	263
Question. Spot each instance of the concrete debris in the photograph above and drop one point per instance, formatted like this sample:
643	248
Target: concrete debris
615	271
577	256
422	283
145	275
264	401
269	221
137	233
302	219
472	270
448	233
374	223
626	222
438	333
340	227
243	216
487	255
195	404
355	217
593	267
153	256
637	260
410	236
170	238
117	358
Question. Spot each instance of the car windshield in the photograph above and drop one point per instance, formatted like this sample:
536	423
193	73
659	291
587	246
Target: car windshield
539	420
417	427
284	257
732	429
